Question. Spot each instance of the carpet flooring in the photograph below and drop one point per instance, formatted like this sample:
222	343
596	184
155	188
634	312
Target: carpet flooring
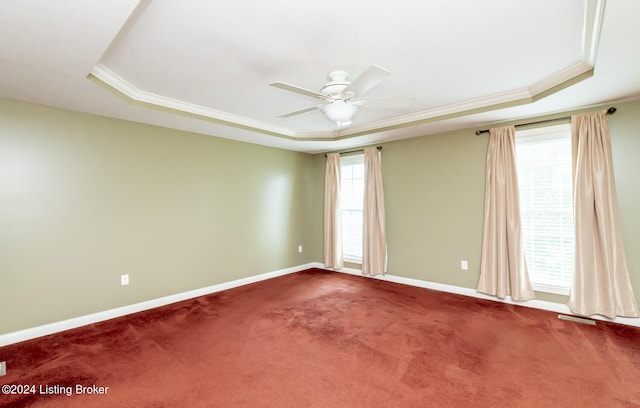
323	339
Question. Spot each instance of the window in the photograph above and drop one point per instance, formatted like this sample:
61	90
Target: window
352	201
546	206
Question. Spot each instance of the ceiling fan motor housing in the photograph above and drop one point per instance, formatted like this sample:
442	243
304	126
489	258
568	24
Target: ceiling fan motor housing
337	83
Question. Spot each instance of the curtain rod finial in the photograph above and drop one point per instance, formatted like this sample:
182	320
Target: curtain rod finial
611	110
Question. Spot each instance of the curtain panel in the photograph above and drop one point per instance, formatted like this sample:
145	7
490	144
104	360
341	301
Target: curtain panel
374	238
503	270
333	257
601	283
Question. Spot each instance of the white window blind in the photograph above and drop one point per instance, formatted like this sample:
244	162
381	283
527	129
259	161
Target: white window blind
546	206
352	201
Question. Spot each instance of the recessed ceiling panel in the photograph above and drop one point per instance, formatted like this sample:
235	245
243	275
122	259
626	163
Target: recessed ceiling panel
223	54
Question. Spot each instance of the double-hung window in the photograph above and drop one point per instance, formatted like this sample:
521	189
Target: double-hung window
546	206
351	202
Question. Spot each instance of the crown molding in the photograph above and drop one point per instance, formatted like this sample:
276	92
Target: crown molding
560	80
114	81
545	87
592	27
593	19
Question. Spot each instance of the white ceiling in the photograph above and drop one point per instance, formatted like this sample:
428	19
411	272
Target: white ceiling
204	66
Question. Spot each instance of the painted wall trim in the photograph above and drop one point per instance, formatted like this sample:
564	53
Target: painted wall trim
544	87
536	304
51	328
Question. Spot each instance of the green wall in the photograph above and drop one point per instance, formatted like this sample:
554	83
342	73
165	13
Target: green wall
624	126
434	189
84	199
434	199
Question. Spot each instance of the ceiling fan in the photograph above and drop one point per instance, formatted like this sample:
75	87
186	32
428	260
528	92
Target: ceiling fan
342	97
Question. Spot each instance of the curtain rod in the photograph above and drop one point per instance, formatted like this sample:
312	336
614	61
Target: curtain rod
610	111
357	151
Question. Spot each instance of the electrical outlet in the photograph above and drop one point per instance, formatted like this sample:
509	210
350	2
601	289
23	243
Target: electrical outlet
3	368
464	265
299	249
124	280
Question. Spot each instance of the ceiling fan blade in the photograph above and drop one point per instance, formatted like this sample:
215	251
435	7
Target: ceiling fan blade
299	112
394	103
367	80
297	89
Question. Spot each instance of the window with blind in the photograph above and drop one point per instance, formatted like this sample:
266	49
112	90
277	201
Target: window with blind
546	206
352	201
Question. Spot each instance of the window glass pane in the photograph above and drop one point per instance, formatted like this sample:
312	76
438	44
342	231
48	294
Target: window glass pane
352	200
544	179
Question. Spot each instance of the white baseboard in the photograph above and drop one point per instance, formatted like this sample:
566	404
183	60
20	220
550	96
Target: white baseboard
536	304
44	330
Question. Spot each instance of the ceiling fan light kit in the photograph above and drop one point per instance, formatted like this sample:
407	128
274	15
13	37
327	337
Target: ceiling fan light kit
343	97
339	112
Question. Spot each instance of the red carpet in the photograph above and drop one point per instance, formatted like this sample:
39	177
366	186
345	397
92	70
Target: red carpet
324	339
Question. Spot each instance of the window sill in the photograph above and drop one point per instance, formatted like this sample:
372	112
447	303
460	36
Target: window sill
547	288
353	260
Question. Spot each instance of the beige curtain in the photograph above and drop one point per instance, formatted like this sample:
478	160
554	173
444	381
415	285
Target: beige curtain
332	213
601	280
374	238
503	270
